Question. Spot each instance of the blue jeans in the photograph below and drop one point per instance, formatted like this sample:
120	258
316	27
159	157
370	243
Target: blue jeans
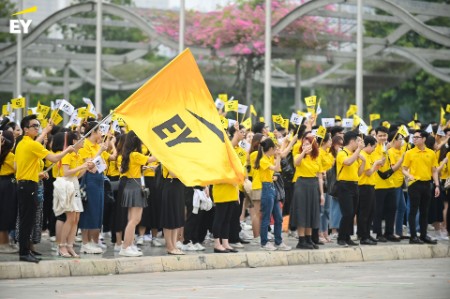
270	206
325	214
335	213
408	208
401	210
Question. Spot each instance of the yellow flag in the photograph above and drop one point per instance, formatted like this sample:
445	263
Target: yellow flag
321	131
43	110
352	110
386	124
223	97
261	119
356	120
286	123
231	106
18	103
272	136
44	123
278	119
224	122
412	124
416	117
252	110
403	131
247	123
338	118
374	117
310	101
175	117
56	117
311	110
5	111
447	109
443	121
83	112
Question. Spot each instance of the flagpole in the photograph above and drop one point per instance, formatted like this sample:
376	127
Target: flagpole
84	137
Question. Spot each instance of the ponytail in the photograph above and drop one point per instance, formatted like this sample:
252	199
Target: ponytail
258	157
264	147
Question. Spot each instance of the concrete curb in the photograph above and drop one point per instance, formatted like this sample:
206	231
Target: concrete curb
90	267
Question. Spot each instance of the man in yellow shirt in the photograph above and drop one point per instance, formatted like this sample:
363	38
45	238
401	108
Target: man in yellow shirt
348	172
420	166
28	155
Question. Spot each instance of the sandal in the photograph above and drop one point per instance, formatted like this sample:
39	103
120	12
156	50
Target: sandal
66	255
71	251
175	252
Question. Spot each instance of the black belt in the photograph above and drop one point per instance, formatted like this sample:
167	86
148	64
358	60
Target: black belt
26	182
6	177
348	182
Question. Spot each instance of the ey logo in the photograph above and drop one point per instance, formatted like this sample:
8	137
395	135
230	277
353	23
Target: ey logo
21	26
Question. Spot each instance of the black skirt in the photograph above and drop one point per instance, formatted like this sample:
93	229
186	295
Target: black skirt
151	215
172	205
305	206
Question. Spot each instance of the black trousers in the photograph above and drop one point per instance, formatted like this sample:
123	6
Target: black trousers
49	219
366	210
385	208
28	202
222	219
235	225
419	196
193	221
348	202
289	191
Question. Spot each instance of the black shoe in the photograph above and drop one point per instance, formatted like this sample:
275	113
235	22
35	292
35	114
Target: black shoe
243	241
232	250
392	238
35	253
220	251
342	243
415	240
405	237
367	242
428	240
311	242
381	239
28	258
373	239
302	244
351	243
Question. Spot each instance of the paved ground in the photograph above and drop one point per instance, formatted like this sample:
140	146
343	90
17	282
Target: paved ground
428	279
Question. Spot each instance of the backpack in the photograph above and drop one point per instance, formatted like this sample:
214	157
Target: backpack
287	168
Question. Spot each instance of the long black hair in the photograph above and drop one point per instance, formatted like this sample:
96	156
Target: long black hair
7	145
264	147
132	144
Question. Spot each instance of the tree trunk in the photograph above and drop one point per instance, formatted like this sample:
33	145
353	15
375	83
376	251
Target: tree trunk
249	80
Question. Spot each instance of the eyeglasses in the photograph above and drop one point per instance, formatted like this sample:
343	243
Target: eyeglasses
34	126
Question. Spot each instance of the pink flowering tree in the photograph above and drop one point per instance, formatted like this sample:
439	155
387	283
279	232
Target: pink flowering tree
239	28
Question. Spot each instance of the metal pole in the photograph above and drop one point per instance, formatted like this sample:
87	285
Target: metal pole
182	25
359	60
267	67
98	59
66	91
19	67
298	86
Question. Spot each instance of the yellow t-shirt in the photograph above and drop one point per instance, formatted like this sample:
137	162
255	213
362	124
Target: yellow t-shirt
377	154
113	169
90	150
7	167
364	179
296	148
28	158
308	168
395	155
265	174
225	193
419	162
327	159
149	171
73	160
344	172
256	180
57	170
134	168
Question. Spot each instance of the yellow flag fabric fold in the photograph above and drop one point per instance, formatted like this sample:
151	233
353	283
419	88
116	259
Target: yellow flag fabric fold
374	116
18	103
253	110
175	117
310	101
232	106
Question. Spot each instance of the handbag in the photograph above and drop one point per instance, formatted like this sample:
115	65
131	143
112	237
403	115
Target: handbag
335	187
279	188
447	183
388	173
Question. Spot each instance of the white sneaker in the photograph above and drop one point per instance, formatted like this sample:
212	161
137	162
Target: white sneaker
147	238
334	236
156	243
179	245
443	235
101	237
135	248
53	239
245	226
268	247
54	247
293	234
90	249
283	247
140	240
256	241
100	245
199	247
117	248
129	252
78	239
5	248
270	236
188	247
237	245
245	235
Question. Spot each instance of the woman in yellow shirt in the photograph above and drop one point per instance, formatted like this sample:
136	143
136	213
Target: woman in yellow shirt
132	194
266	163
8	200
327	160
308	192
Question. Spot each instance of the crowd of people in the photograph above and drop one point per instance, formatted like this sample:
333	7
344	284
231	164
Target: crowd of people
338	187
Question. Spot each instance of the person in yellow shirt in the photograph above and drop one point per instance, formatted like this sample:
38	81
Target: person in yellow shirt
28	156
133	197
8	199
266	163
366	188
348	172
419	167
308	192
327	160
